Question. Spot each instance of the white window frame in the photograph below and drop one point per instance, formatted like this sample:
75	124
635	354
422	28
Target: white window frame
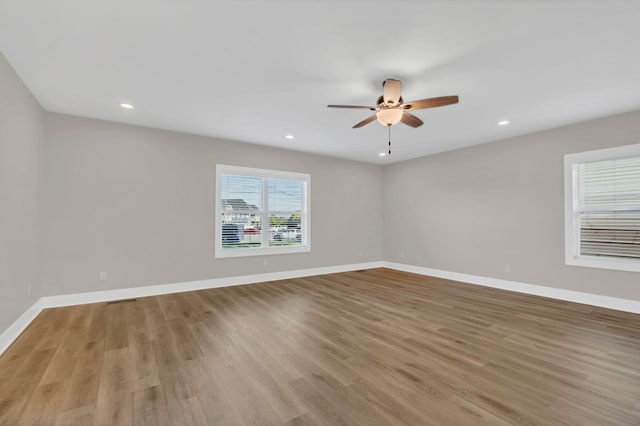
223	169
572	222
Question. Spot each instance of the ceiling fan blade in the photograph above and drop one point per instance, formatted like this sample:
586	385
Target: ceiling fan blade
352	106
430	103
367	121
411	120
391	91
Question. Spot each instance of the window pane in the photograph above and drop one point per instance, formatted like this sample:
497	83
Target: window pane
284	230
285	203
241	199
612	234
241	193
613	182
285	195
239	235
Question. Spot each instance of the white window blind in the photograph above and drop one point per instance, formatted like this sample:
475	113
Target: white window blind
261	212
241	205
603	224
608	205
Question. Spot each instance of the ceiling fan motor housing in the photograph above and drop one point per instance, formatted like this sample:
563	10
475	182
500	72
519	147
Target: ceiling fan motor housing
381	101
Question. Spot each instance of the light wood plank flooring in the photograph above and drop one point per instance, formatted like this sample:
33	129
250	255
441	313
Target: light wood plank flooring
375	347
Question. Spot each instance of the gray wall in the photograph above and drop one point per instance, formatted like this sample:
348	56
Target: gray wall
476	209
21	147
138	203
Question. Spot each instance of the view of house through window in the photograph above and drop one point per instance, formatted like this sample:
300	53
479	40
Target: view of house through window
604	218
261	211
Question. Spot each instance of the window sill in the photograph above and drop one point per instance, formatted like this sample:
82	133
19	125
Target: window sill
246	252
630	265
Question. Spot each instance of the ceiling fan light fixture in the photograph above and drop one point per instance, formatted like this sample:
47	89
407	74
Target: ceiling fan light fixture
389	116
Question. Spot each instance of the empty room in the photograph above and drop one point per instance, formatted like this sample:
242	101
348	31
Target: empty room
320	212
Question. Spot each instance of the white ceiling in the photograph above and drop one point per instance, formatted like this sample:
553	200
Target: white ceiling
255	71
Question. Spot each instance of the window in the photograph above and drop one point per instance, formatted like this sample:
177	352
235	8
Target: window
261	212
602	208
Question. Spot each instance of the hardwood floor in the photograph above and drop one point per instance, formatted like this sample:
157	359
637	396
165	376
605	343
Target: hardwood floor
375	347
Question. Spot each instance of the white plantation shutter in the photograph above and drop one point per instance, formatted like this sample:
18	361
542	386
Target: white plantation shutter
607	207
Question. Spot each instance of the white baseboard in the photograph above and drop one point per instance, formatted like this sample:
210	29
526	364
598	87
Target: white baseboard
154	290
13	332
626	305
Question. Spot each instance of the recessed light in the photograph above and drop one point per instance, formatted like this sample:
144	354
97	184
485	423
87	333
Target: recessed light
126	106
289	137
503	122
382	154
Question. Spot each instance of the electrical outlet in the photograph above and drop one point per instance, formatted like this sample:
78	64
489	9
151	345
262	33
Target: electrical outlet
103	276
507	268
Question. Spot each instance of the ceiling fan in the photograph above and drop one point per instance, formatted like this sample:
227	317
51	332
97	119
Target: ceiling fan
391	108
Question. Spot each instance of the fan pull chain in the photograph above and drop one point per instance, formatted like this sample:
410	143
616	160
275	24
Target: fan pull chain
389	139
